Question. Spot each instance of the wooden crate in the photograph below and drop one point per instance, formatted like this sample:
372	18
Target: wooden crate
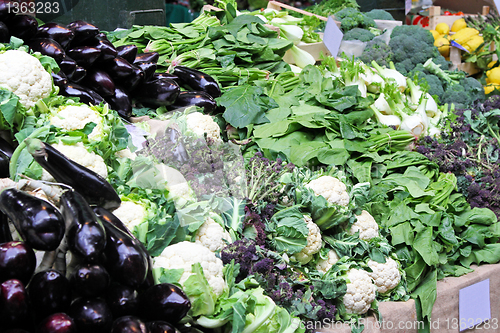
435	17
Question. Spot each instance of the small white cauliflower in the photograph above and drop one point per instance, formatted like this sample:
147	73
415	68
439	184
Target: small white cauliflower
366	225
386	276
80	155
75	117
313	242
24	75
201	123
130	213
332	189
126	153
360	292
184	254
324	265
212	235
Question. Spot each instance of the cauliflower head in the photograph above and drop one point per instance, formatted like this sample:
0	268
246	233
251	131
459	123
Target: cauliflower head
200	124
184	254
80	155
366	225
24	75
360	292
324	265
313	242
212	235
130	213
386	276
75	117
332	189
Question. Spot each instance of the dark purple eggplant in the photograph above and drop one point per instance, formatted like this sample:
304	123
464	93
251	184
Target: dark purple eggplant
197	80
129	324
68	65
122	300
159	92
165	76
85	234
84	56
49	292
101	36
125	261
39	223
14	304
4	33
4	165
120	102
17	261
60	79
89	280
75	90
100	82
149	68
164	301
57	32
7	10
78	74
23	26
97	98
131	82
119	68
147	57
160	326
57	323
5	234
197	98
127	52
83	31
91	315
108	51
48	47
6	147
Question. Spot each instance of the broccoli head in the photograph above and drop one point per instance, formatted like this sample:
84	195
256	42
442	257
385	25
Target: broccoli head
359	34
380	14
351	18
377	50
465	93
429	81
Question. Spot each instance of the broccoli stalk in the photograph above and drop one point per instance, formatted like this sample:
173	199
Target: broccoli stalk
447	76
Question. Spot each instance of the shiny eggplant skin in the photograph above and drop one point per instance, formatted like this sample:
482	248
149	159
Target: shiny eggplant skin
85	234
197	80
83	31
39	223
14	305
197	98
48	47
4	33
4	165
165	76
129	324
118	68
163	301
84	56
120	102
91	315
132	81
57	323
127	52
57	32
98	99
147	57
22	26
6	148
89	280
5	234
125	261
108	51
17	261
122	300
158	92
160	326
68	65
99	81
148	68
78	74
49	292
60	79
94	188
76	90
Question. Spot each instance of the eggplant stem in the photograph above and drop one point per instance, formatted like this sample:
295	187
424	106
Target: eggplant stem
60	261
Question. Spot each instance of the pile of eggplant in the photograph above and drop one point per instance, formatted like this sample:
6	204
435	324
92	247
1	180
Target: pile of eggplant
93	70
107	287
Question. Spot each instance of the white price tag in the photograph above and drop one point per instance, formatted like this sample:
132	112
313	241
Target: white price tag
497	4
474	304
332	36
408	5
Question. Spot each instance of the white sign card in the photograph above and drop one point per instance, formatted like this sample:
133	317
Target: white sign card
333	36
474	304
408	6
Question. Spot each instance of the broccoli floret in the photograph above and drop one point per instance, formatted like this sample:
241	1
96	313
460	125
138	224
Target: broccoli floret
464	93
351	18
413	45
428	81
377	50
380	14
359	34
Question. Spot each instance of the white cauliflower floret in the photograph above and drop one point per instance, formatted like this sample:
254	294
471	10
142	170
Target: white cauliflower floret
184	254
366	225
24	75
212	235
313	242
386	276
201	123
324	265
126	153
80	155
360	292
332	189
75	117
130	213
